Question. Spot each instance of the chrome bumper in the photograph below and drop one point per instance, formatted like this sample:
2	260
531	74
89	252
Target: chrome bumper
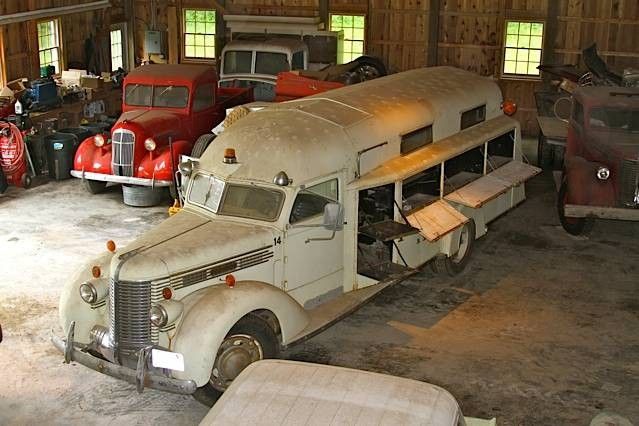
573	210
120	179
139	377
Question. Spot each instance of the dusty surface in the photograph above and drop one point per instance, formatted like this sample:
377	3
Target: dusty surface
541	329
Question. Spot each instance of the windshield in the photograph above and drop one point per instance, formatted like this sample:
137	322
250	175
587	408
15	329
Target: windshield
238	61
615	119
270	63
249	201
156	96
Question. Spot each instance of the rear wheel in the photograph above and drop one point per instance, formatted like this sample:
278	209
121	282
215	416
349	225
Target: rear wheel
572	225
456	263
94	186
201	144
370	68
250	340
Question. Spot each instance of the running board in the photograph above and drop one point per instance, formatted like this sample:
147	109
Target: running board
335	310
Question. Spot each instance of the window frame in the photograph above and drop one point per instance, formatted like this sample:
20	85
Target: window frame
479	108
184	33
59	44
363	40
516	76
426	130
305	189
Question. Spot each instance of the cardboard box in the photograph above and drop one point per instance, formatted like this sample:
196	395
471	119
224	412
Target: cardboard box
91	82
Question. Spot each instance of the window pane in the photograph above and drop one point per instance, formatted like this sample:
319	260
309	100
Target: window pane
190	15
190	27
524	41
512	28
532	69
200	27
524	28
510	67
511	54
535	56
209	40
537	29
358	47
522	67
190	51
200	51
199	40
522	55
358	34
336	21
535	42
359	22
200	16
511	40
210	51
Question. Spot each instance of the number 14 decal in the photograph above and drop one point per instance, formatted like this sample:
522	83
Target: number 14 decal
277	241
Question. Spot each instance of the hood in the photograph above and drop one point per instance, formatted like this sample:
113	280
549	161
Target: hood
155	122
616	145
186	241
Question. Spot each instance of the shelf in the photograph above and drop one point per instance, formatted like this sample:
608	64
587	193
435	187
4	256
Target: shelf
387	230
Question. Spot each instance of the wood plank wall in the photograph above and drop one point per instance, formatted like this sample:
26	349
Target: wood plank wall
20	40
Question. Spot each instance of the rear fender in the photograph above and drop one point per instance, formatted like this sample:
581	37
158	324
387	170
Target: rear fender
584	188
211	313
157	164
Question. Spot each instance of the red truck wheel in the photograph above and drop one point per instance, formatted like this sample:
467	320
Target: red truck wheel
572	225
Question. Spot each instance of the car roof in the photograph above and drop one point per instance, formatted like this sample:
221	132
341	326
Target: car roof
274	44
614	97
171	73
290	392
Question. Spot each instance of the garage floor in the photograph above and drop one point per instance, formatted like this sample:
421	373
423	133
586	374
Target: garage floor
541	329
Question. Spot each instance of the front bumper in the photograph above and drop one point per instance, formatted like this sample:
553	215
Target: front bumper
120	179
615	213
139	377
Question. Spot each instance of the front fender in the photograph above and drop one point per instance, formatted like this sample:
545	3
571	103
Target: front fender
584	188
157	165
211	313
90	158
73	308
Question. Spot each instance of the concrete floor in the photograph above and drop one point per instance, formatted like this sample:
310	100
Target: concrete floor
541	329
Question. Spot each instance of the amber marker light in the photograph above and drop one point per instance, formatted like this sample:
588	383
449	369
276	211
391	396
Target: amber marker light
230	280
111	246
509	107
229	156
96	272
167	293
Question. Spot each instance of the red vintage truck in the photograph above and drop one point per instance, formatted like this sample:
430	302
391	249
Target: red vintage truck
601	163
165	109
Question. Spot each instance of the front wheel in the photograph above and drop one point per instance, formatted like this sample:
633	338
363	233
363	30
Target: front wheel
251	339
201	144
572	225
94	186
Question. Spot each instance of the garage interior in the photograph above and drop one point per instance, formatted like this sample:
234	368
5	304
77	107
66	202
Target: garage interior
540	328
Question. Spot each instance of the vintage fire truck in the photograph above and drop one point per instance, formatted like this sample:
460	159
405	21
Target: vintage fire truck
601	163
165	109
298	214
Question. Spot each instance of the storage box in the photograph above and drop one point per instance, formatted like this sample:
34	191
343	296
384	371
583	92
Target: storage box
91	82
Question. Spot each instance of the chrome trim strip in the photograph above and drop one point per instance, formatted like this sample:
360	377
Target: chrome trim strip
119	179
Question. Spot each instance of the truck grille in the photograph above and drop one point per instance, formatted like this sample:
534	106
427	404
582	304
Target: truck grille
123	145
130	304
628	183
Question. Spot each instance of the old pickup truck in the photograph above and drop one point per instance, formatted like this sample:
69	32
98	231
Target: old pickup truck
165	109
601	163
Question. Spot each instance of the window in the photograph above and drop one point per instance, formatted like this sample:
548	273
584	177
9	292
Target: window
522	51
138	94
501	150
199	34
252	202
170	96
311	201
472	117
49	44
416	139
116	50
270	63
354	32
238	62
204	97
298	61
463	169
421	189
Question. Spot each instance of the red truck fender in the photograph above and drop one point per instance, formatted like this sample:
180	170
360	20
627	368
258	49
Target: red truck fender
584	187
157	164
89	157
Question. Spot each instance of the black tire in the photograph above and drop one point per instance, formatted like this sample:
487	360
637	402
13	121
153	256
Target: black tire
25	181
253	327
94	186
572	225
201	144
455	264
369	68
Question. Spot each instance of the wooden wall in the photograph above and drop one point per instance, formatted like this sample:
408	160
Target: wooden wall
20	40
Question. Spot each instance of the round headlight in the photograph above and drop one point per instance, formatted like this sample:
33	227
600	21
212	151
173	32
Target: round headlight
149	144
603	173
98	140
158	315
88	292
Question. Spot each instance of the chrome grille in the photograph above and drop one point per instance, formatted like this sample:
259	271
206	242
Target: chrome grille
123	146
629	183
130	325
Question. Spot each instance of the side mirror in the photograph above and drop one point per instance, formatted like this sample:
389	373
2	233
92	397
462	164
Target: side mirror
333	217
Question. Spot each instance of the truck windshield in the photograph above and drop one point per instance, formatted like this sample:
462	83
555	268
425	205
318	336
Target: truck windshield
249	201
270	63
156	96
615	119
238	62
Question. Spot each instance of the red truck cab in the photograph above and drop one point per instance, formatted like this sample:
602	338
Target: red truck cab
165	108
601	163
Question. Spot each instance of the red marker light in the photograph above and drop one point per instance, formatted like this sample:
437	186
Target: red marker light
509	107
167	293
230	280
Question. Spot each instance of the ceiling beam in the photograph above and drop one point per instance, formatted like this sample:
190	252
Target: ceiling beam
53	12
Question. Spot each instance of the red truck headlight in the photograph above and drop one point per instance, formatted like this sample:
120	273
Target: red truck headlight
98	140
149	144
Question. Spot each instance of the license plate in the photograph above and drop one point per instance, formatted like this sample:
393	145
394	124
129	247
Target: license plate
170	360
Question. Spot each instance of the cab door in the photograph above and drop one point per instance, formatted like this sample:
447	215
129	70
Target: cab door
313	255
203	111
